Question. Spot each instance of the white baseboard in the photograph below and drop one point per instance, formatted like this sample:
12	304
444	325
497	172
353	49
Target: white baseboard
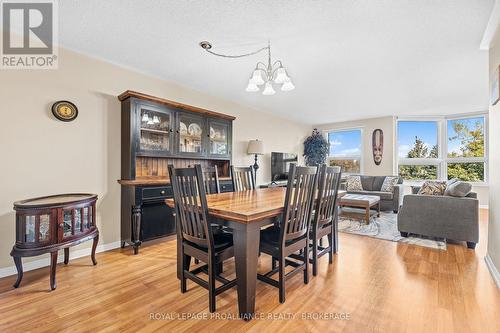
493	270
7	271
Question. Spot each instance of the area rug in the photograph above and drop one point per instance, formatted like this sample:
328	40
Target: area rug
386	227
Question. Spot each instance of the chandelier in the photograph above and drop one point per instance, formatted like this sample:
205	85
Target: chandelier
264	74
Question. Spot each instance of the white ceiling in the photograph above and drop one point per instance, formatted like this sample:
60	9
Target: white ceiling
348	59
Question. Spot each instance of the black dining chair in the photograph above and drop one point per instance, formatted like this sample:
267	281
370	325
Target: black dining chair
212	186
195	233
284	241
324	215
211	180
242	178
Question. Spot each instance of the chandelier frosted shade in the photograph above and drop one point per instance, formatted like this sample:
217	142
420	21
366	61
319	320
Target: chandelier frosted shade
287	85
251	87
281	76
257	77
268	90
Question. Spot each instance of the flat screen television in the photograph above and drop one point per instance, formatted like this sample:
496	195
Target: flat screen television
280	164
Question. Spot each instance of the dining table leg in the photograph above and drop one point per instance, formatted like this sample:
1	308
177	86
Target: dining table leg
246	238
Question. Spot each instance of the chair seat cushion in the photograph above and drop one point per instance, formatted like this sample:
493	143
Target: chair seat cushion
272	235
222	240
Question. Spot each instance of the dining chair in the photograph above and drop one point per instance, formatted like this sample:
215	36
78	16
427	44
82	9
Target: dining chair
283	242
211	180
324	214
242	178
212	186
195	233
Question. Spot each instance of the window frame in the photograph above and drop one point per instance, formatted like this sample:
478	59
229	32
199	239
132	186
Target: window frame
484	159
443	160
349	157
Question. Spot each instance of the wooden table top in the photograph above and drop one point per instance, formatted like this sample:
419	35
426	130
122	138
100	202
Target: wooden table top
246	206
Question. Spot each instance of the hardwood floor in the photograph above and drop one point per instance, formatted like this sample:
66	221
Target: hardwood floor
383	286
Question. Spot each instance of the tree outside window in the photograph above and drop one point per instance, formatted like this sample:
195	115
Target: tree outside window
464	157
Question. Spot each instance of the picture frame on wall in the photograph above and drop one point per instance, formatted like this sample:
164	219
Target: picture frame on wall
495	87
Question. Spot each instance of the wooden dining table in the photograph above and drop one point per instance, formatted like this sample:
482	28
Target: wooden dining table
246	212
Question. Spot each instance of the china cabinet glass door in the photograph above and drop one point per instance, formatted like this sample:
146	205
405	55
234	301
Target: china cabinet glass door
219	136
155	130
191	133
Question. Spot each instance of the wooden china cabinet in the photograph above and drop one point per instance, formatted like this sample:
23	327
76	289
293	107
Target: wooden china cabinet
49	224
157	132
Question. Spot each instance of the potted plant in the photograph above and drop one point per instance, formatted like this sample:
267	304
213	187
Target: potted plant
316	149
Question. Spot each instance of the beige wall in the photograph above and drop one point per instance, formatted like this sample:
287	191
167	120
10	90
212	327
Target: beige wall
42	156
494	163
368	126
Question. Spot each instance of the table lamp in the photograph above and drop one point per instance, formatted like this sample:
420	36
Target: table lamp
255	147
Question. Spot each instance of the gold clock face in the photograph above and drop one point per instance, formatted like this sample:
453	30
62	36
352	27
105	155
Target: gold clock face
64	110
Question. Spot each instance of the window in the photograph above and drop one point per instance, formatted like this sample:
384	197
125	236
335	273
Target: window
346	150
418	150
466	158
444	148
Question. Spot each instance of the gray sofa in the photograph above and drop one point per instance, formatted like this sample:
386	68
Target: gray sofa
440	216
372	186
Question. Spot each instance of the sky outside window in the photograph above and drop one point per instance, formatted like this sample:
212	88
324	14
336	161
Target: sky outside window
427	131
345	143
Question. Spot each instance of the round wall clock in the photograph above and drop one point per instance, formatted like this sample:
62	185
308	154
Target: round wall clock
64	110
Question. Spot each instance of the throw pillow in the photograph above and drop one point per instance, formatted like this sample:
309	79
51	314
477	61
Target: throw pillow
354	183
451	181
389	183
432	188
458	189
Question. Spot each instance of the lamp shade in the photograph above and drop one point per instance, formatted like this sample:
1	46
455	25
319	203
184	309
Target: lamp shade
252	87
268	90
255	147
281	76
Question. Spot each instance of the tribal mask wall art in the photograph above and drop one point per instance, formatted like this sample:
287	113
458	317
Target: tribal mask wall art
378	145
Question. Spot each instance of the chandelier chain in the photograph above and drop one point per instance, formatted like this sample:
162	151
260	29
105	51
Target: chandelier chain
237	56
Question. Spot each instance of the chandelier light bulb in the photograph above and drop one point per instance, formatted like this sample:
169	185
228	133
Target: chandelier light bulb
281	76
268	89
287	85
252	87
257	77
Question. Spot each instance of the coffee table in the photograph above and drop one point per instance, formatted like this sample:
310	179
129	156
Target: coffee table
360	206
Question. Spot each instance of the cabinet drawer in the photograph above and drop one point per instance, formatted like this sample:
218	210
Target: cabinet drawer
157	192
226	187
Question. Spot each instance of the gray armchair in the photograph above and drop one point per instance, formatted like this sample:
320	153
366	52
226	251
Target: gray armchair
440	216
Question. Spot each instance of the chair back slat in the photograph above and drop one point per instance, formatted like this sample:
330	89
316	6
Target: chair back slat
298	201
211	180
191	204
328	187
242	178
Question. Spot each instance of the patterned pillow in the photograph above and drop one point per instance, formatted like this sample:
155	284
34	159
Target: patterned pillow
354	183
389	183
432	188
